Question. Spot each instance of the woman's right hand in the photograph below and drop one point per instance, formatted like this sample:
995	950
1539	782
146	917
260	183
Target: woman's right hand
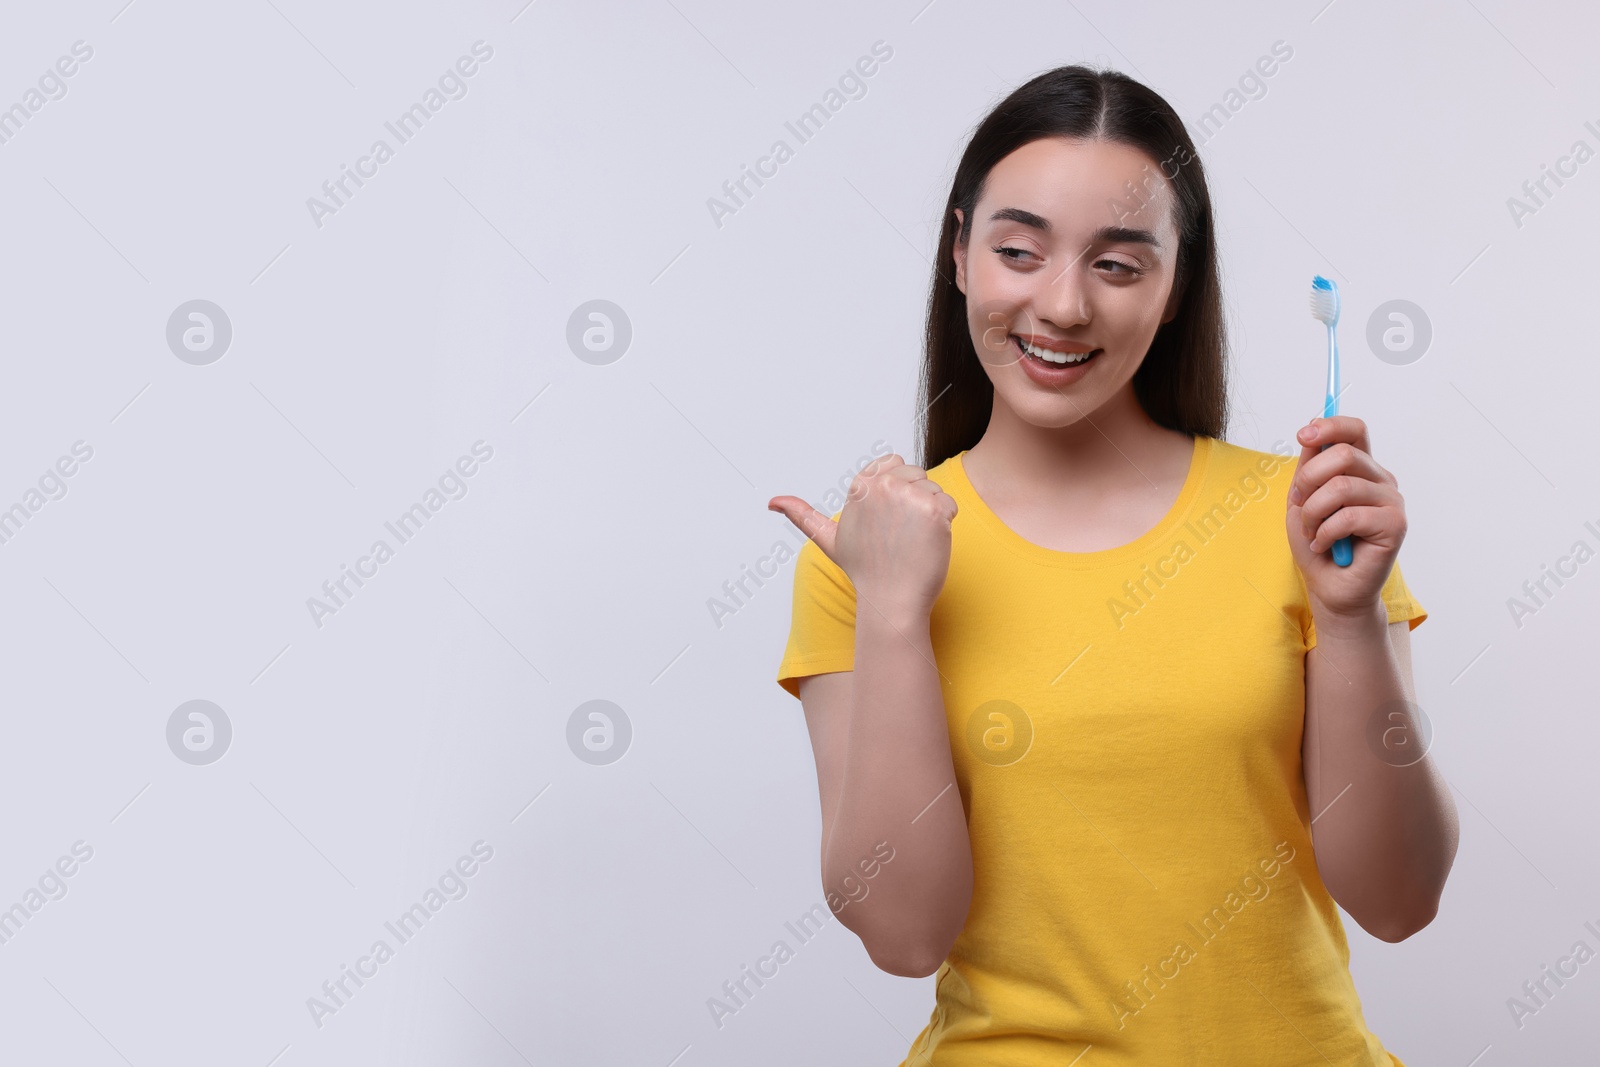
892	538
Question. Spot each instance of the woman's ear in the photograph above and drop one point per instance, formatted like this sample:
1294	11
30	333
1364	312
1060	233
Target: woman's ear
959	250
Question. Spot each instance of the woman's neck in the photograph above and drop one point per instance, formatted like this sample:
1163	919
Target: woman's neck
1117	447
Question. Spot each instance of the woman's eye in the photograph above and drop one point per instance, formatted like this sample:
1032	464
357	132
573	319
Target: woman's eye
1014	255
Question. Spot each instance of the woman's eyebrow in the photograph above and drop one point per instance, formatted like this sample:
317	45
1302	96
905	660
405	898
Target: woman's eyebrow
1121	234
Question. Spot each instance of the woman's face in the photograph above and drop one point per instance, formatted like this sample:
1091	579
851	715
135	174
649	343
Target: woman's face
1073	248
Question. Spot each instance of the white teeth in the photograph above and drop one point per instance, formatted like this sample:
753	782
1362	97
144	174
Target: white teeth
1054	357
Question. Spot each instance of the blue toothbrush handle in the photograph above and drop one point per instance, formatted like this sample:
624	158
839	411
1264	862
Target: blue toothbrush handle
1343	551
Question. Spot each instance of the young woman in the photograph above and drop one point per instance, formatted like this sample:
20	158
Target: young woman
1102	732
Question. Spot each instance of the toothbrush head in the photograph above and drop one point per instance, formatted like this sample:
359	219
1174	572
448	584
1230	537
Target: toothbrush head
1324	301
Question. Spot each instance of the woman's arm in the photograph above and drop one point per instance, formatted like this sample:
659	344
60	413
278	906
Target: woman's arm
1384	828
1383	823
886	776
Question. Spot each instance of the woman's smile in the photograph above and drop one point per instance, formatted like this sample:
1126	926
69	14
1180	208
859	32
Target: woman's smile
1053	351
1047	372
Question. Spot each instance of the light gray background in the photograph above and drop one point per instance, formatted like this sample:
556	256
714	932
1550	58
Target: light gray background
768	354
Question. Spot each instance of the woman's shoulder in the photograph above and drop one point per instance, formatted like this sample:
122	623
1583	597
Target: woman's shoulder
1233	463
1246	488
945	473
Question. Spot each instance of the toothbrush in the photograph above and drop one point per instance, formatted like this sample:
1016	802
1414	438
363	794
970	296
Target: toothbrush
1325	309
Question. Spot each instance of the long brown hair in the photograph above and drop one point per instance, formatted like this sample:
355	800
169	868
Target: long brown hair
1181	383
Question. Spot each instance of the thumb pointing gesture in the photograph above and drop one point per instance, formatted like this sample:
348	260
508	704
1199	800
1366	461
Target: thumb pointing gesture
893	535
811	522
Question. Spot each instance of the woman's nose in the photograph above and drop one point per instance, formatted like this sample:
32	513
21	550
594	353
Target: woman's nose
1066	300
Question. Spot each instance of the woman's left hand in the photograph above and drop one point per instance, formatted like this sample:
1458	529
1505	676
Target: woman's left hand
1336	493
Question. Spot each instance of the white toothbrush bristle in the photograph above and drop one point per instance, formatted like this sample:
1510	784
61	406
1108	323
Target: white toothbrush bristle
1324	302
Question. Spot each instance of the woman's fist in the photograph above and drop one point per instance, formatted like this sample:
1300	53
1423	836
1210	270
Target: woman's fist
892	538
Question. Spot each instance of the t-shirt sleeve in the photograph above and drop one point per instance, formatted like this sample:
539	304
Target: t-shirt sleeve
822	630
1397	601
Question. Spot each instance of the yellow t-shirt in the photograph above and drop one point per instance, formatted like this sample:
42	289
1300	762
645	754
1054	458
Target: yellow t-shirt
1126	729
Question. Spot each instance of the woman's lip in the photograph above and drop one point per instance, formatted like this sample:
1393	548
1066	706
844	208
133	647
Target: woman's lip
1057	376
1024	354
1055	346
